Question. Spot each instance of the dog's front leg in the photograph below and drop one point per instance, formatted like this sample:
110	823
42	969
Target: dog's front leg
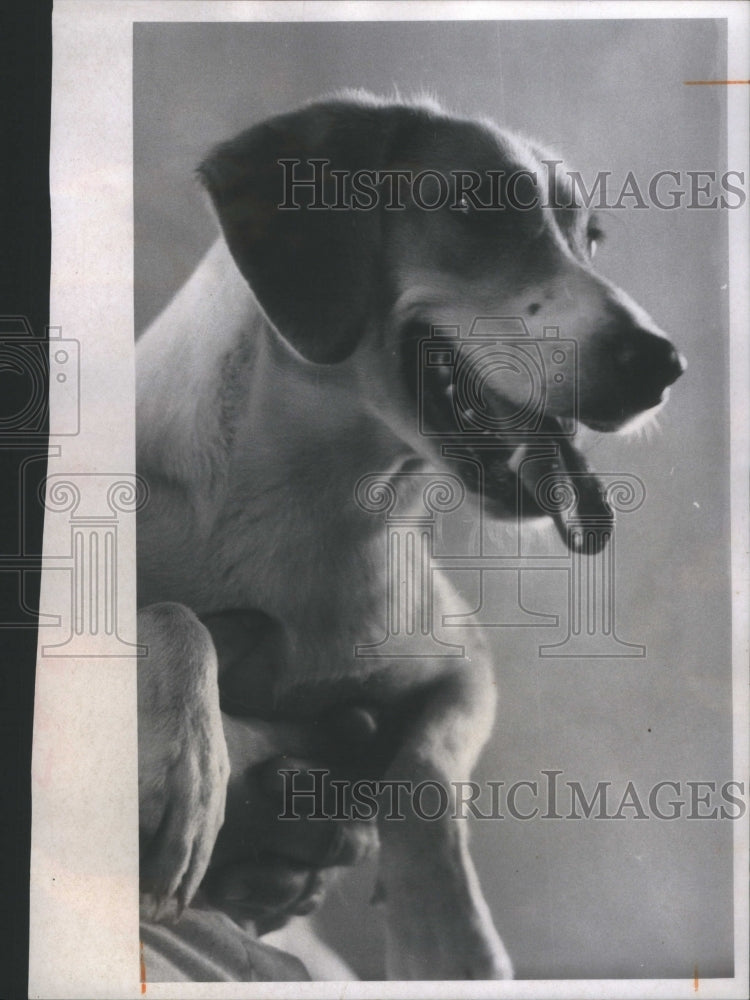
183	765
438	925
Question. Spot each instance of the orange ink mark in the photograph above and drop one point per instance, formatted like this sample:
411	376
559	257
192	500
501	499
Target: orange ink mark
143	971
713	83
696	982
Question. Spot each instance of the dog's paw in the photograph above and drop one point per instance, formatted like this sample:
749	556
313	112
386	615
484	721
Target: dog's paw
182	757
269	890
444	942
176	855
438	925
434	952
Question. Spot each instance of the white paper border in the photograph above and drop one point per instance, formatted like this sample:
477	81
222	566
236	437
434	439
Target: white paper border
84	936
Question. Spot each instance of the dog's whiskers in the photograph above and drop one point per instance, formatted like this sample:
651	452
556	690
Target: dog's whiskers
644	428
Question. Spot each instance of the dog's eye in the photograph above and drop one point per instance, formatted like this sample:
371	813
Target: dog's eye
594	239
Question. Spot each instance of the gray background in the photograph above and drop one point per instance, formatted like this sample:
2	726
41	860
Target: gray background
632	898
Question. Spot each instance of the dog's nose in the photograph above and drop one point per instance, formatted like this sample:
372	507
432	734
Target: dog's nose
675	363
648	364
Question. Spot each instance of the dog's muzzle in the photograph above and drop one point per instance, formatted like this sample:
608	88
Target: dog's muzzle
637	367
541	473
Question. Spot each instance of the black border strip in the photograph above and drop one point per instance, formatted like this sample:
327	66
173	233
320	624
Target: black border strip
25	87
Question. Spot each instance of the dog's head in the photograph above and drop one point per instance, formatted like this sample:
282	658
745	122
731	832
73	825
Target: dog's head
437	249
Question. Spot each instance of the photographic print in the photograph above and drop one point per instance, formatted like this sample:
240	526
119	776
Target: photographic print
393	624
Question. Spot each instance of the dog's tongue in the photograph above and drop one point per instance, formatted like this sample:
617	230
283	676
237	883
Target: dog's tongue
590	515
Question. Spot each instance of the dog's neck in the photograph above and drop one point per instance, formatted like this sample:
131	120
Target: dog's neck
181	364
236	428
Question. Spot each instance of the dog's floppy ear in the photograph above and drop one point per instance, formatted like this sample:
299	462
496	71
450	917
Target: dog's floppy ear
313	269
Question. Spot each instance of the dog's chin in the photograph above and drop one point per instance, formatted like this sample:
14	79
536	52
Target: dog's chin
642	424
632	425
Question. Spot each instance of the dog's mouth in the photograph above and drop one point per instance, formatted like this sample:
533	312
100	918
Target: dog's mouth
522	474
550	477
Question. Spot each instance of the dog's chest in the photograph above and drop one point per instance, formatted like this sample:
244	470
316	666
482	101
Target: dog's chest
318	575
318	564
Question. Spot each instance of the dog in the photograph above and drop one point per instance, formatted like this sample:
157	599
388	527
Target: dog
284	371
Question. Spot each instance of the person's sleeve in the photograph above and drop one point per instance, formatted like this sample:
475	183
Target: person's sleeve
206	946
